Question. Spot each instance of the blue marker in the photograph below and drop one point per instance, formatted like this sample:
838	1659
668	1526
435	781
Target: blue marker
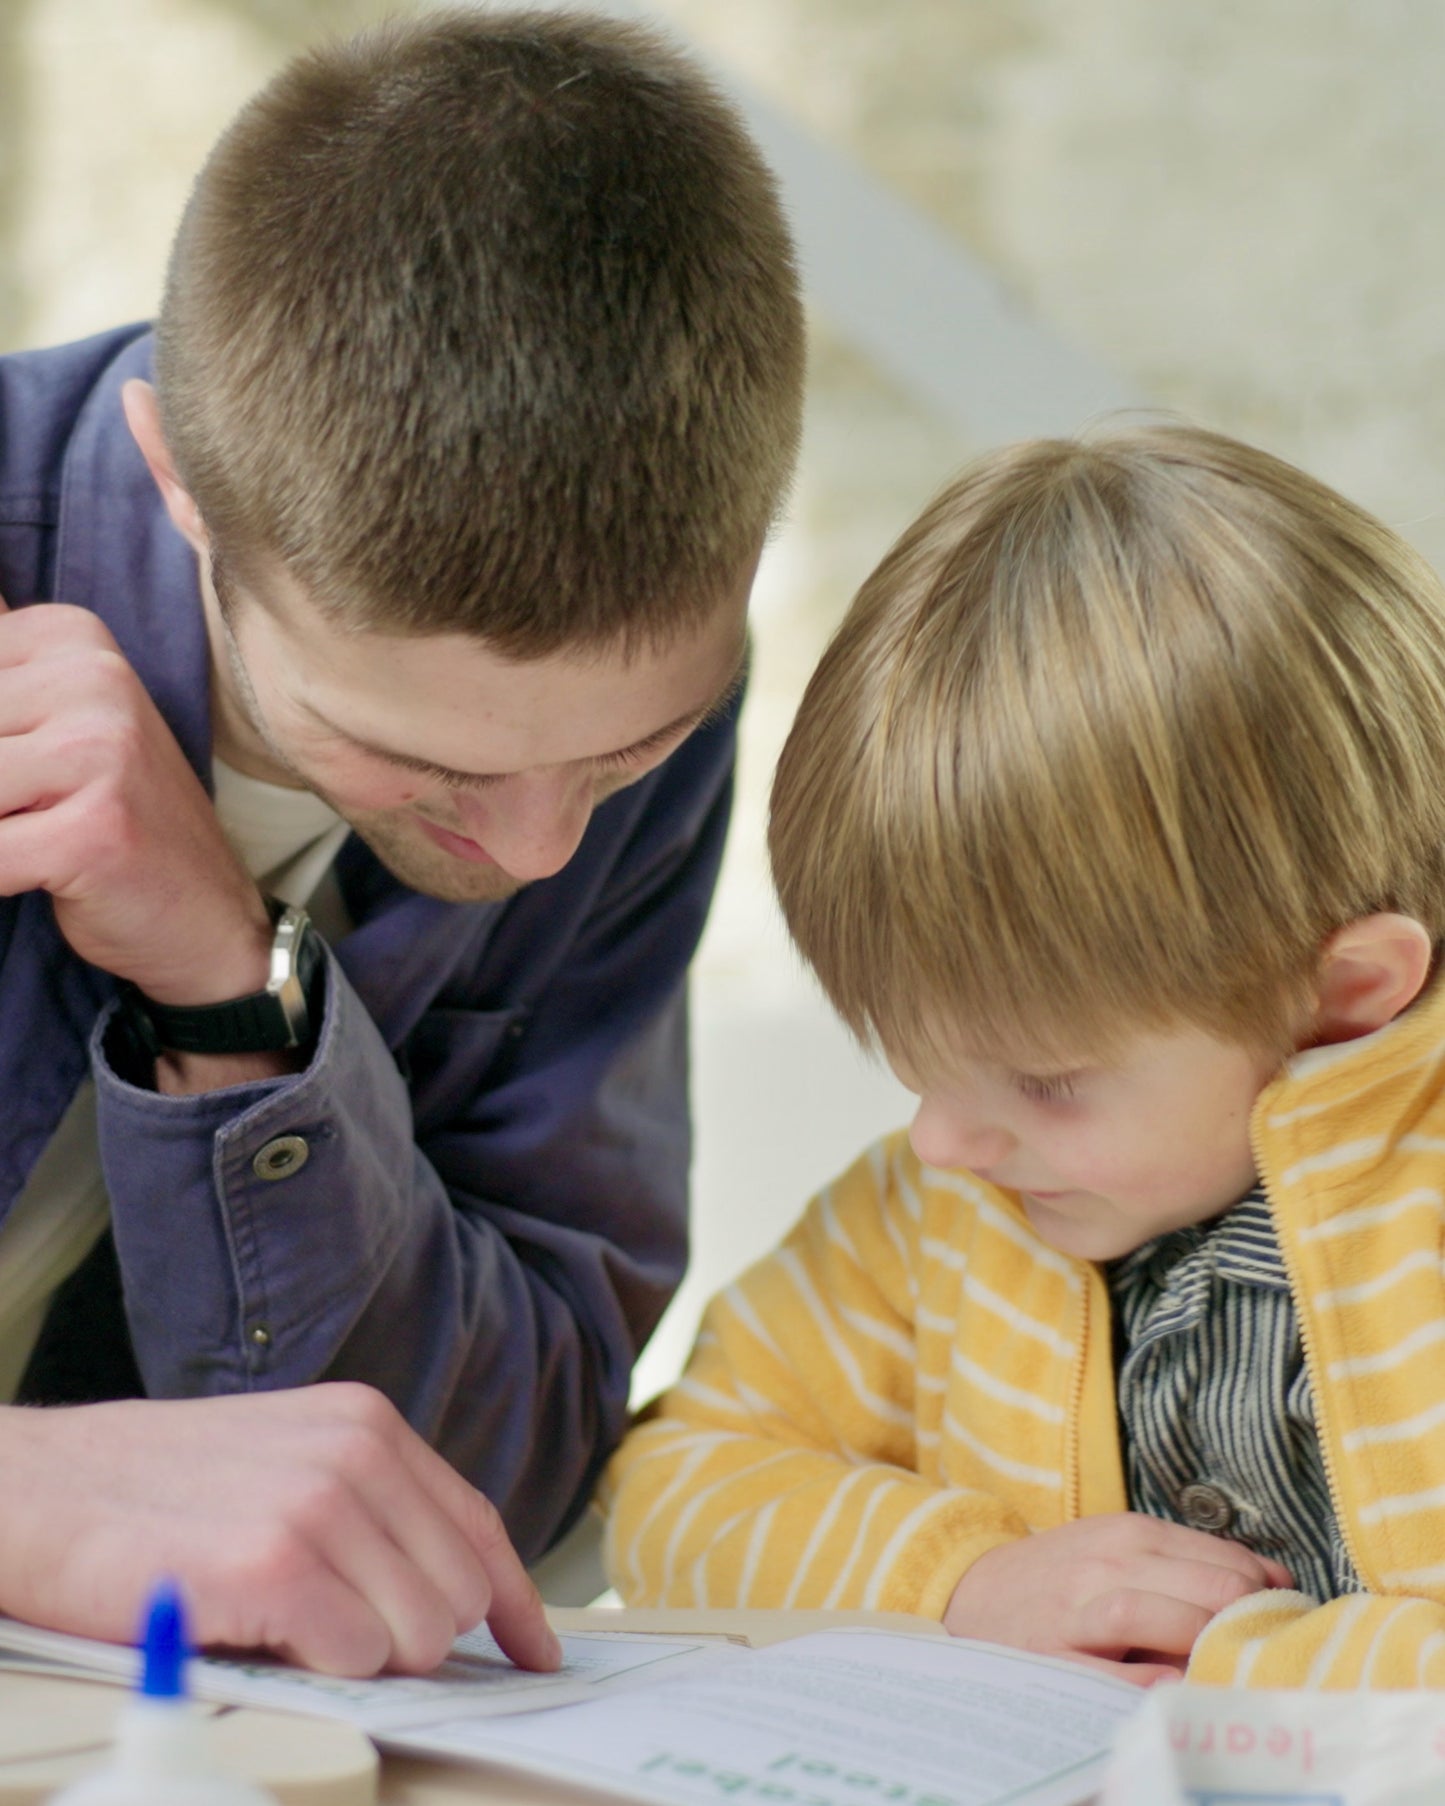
162	1754
163	1645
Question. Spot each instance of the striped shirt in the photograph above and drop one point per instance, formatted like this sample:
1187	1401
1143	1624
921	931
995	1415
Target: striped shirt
1215	1401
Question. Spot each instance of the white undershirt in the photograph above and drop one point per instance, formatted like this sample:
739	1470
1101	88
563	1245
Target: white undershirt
287	840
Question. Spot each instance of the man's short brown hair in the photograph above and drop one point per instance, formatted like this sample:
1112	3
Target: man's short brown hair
1116	736
487	322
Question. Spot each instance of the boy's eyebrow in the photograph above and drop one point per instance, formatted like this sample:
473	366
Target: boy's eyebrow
695	718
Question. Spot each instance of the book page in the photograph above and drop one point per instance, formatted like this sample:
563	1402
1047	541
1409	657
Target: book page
838	1718
843	1718
476	1678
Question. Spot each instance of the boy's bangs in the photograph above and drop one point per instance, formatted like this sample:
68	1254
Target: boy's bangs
984	913
1113	740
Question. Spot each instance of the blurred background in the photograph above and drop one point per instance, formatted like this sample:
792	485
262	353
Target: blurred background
1015	214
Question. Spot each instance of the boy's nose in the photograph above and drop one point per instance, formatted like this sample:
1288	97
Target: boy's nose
943	1138
531	823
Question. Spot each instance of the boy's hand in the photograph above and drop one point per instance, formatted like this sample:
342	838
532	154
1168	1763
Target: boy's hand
99	807
315	1524
1124	1592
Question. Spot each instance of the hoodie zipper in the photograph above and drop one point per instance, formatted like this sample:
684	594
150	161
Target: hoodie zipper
1312	1365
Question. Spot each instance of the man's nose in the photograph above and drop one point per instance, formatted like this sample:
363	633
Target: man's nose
531	823
946	1135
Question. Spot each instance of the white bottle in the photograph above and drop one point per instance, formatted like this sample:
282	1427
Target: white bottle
162	1754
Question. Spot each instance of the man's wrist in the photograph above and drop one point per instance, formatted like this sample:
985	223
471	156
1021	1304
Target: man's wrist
190	1075
239	964
278	1016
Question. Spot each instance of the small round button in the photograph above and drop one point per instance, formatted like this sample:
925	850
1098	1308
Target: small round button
281	1156
1205	1507
261	1336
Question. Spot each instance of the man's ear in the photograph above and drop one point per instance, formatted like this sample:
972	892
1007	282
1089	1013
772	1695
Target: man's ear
1370	971
143	417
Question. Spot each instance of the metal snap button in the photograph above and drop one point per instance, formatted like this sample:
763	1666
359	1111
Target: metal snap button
1205	1507
281	1156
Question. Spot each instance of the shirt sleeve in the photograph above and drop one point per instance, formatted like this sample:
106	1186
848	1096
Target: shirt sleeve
1284	1639
493	1269
782	1469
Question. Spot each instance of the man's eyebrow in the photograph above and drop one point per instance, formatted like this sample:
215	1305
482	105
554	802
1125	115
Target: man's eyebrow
695	718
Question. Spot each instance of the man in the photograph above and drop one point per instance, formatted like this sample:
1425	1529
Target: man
404	577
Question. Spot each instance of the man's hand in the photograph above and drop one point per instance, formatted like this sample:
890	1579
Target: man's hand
1108	1588
313	1523
99	807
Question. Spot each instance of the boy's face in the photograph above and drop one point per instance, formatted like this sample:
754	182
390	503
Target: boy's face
467	773
1104	1157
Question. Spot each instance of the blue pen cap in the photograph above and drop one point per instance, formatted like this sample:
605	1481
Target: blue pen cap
163	1643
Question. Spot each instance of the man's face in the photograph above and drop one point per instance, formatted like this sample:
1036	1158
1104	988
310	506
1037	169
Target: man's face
468	774
1104	1158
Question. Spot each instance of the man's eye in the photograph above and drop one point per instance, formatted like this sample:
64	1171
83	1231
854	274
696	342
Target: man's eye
1041	1089
636	755
630	755
438	774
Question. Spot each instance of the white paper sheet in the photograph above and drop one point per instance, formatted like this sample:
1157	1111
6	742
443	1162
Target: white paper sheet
842	1718
476	1679
839	1718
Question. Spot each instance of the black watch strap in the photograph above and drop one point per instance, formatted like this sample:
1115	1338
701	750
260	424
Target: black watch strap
284	1015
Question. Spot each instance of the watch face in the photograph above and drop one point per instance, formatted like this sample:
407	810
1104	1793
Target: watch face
265	1022
286	985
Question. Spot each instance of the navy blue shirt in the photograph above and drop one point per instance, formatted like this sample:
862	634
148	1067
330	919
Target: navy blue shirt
493	1214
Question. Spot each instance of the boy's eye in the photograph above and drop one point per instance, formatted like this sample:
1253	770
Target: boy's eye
1042	1088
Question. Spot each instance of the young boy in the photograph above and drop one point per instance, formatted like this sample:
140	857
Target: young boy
1115	815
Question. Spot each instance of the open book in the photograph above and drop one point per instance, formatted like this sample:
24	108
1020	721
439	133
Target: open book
846	1717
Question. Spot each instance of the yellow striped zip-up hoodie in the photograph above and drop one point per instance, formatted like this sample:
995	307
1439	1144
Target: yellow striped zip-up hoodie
914	1378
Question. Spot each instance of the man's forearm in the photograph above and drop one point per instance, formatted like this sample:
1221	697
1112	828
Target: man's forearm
350	1258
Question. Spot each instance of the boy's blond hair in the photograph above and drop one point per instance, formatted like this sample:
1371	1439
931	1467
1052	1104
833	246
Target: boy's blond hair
487	322
1116	735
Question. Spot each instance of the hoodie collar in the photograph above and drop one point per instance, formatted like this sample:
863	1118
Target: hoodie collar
118	555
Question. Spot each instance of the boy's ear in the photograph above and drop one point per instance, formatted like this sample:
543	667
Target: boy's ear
1370	971
143	417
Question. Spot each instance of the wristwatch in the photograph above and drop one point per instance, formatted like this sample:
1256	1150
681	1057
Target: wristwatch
283	1015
